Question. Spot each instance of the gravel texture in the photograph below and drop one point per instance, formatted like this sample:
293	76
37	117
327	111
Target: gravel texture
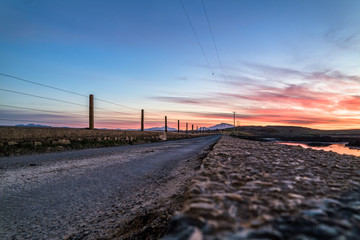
259	190
126	192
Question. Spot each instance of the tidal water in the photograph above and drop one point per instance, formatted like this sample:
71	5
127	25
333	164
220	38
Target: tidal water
336	147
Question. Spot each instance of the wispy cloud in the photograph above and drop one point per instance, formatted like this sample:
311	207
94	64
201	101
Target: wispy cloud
313	100
274	71
344	38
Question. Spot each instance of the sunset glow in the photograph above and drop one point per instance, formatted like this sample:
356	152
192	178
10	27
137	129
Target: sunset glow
278	63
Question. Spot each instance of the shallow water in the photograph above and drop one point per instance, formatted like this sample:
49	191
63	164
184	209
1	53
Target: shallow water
337	147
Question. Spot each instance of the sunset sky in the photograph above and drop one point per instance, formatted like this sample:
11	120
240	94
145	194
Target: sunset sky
273	62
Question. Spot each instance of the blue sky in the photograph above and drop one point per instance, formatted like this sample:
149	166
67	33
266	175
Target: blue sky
283	62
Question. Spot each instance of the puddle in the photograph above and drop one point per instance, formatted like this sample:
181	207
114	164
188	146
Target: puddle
336	147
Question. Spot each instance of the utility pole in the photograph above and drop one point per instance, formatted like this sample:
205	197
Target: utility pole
186	128
165	123
234	123
142	119
91	111
178	126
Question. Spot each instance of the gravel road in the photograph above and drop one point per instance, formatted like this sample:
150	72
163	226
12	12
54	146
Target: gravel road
90	194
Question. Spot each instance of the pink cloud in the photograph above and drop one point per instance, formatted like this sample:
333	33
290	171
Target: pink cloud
310	101
352	103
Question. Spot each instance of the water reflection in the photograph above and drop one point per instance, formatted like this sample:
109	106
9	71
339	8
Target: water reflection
337	147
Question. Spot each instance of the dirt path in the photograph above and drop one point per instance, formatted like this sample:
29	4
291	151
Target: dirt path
97	193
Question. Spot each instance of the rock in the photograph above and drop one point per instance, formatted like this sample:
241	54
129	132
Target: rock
64	141
325	231
37	143
196	235
12	143
314	212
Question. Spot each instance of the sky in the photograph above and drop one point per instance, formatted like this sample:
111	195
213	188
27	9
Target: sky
198	61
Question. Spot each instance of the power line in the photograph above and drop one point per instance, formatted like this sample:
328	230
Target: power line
43	85
213	39
199	43
105	101
108	110
31	95
63	90
116	119
155	114
40	110
153	118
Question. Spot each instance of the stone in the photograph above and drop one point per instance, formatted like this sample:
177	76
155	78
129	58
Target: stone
325	231
196	235
12	143
265	233
64	141
37	143
293	195
314	213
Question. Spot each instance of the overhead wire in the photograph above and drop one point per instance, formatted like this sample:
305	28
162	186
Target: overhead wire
108	110
213	39
41	110
120	105
199	43
58	100
115	119
63	90
43	85
37	96
155	114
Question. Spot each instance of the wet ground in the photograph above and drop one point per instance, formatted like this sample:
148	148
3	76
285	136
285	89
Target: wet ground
340	148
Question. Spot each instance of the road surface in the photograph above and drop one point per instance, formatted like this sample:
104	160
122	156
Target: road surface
85	193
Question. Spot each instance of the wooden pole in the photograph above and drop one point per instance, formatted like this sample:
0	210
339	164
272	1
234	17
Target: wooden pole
178	126
192	128
91	111
186	128
234	122
142	119
165	123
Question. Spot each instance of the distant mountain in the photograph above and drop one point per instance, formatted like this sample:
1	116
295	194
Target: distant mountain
161	129
31	125
221	126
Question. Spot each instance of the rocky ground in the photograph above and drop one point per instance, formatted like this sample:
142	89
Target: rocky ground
259	190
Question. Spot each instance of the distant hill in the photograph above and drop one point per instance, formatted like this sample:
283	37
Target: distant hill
220	126
295	133
31	125
161	129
